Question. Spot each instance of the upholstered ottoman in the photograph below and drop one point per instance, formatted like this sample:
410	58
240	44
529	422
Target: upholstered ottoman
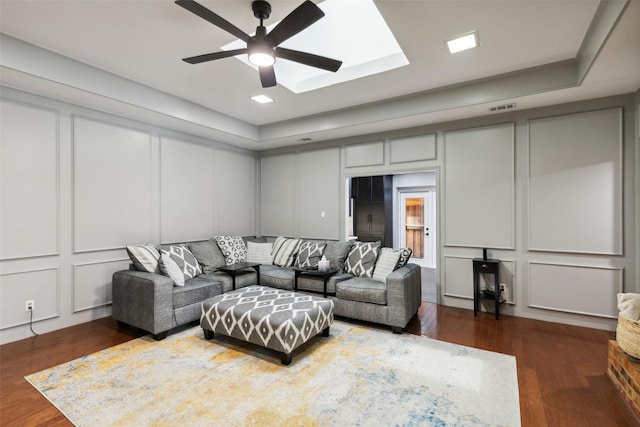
273	318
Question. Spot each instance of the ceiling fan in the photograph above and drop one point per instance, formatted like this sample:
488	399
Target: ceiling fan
263	49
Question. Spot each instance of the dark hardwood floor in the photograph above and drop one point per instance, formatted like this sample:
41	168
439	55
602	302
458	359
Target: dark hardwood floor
561	368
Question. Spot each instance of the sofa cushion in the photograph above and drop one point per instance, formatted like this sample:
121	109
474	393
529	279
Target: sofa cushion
309	254
195	291
233	249
244	277
362	259
208	255
362	289
179	264
336	253
259	252
284	251
145	257
277	277
405	254
386	263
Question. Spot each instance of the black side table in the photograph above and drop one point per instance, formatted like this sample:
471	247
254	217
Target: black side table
234	268
490	266
314	272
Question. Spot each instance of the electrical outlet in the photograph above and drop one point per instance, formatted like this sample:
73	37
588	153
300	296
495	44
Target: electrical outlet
29	305
504	292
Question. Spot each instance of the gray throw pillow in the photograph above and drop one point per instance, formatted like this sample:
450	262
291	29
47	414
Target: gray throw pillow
336	253
208	255
309	254
362	259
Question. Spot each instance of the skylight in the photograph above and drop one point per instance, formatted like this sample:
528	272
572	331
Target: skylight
351	31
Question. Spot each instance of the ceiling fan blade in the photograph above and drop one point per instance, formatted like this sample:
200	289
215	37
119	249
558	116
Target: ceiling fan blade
310	59
267	76
216	20
215	55
303	16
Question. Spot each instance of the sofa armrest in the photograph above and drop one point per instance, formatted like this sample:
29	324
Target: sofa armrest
404	294
143	300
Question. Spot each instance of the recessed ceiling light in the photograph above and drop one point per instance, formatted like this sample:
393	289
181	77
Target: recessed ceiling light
464	42
262	99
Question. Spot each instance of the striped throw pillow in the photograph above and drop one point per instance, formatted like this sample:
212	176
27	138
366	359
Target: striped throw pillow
145	257
386	263
285	251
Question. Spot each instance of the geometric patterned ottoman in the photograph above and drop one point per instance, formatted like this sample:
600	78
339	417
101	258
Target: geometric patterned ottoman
273	318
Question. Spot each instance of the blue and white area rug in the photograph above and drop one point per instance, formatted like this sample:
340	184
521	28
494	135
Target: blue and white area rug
358	376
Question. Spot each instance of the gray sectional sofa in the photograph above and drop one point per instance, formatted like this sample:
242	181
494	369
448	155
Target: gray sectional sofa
150	300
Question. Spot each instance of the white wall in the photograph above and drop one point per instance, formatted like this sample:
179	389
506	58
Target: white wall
496	181
78	185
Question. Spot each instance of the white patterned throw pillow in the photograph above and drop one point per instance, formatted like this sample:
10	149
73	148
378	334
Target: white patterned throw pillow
284	251
259	252
405	254
233	249
362	259
145	257
386	263
309	254
178	263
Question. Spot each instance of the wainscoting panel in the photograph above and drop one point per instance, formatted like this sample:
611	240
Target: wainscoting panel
278	195
578	289
92	283
186	191
480	187
458	277
112	185
235	183
29	181
575	179
413	148
42	286
367	154
320	194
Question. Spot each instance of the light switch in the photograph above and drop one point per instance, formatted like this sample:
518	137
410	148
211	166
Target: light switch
322	214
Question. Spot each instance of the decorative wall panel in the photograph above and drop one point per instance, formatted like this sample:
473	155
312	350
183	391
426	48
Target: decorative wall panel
413	148
112	185
92	283
367	154
479	187
575	183
41	286
29	181
278	195
578	289
319	180
235	205
186	191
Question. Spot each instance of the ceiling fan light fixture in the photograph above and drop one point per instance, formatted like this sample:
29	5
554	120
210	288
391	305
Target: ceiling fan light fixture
261	54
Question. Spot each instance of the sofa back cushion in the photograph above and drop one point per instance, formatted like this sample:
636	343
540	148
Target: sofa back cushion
310	253
208	255
233	249
336	253
362	259
285	251
178	263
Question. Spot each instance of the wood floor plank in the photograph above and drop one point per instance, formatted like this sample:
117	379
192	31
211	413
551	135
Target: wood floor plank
561	368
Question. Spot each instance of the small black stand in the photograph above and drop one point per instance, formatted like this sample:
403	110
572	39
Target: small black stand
490	266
